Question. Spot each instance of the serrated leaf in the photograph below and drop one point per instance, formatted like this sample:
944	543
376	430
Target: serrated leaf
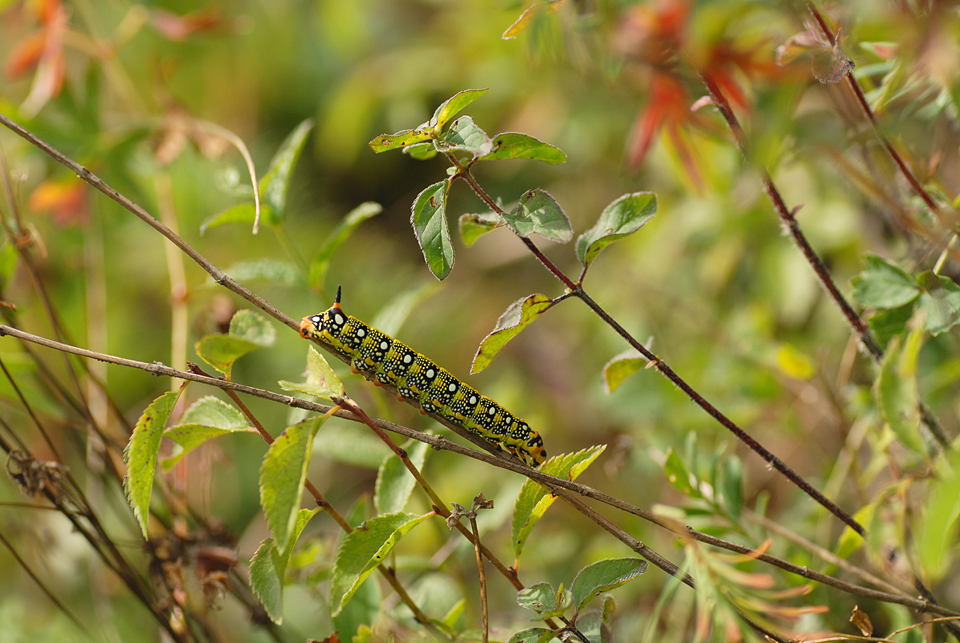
515	318
449	108
321	261
390	318
403	138
243	213
527	17
207	418
936	527
535	499
364	549
221	351
282	474
940	301
141	455
621	367
270	270
465	135
898	398
604	576
883	284
538	212
533	634
474	226
679	477
621	218
541	597
421	151
513	145
322	381
887	324
268	567
253	327
265	580
276	182
429	221
394	483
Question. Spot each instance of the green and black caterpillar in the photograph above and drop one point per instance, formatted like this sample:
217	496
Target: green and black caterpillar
387	361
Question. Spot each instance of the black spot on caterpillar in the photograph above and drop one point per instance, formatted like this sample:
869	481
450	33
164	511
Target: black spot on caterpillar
388	361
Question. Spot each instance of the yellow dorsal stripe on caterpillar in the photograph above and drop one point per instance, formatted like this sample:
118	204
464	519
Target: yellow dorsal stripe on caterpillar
388	361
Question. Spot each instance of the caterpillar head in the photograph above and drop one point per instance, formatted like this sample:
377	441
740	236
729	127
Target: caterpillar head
326	326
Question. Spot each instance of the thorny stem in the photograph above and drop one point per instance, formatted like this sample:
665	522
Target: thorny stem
441	443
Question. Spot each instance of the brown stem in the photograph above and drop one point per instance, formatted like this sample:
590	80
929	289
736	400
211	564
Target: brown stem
442	444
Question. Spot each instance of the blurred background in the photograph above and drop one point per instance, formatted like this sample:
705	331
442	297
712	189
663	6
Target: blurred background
137	92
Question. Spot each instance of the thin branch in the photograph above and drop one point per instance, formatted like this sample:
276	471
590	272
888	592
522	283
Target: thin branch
442	444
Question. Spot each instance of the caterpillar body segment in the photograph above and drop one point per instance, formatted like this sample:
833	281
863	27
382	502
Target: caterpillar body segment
385	360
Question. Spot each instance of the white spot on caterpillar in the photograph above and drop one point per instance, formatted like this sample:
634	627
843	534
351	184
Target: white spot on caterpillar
361	332
430	373
452	388
473	399
407	358
384	345
338	319
492	410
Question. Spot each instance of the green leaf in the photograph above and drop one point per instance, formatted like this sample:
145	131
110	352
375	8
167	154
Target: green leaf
621	367
449	108
322	381
276	183
321	261
243	213
141	455
206	418
390	318
940	301
679	476
898	397
253	327
221	351
538	212
604	576
403	138
269	270
535	12
265	580
539	598
364	549
465	135
512	145
394	483
360	614
535	499
621	218
518	316
936	526
883	284
591	625
421	151
268	567
282	475
429	222
533	635
729	486
888	323
474	226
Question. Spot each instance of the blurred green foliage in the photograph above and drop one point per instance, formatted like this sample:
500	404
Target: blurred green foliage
142	95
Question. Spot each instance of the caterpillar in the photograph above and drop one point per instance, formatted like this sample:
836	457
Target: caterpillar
385	360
